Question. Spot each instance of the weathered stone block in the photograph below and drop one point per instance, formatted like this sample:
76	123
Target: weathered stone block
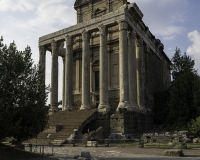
173	152
92	143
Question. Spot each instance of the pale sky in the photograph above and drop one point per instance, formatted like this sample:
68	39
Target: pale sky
175	22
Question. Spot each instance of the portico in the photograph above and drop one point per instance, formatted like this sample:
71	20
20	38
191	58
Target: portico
99	26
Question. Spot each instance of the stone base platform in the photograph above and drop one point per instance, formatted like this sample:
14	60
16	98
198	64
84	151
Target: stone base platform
129	122
173	152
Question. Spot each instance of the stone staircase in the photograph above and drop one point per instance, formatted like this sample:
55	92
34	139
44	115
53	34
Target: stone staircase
62	125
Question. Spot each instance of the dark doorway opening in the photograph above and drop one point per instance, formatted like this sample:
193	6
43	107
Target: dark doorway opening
96	80
90	127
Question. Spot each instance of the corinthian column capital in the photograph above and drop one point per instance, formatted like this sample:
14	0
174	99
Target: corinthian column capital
85	36
102	30
54	44
123	25
42	49
131	34
68	40
139	42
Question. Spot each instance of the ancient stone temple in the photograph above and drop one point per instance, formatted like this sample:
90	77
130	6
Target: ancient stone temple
111	63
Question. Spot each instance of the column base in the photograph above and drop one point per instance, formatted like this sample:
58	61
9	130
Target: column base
85	107
103	108
52	110
68	108
133	108
142	109
123	105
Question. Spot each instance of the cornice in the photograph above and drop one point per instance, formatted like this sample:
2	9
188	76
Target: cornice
107	19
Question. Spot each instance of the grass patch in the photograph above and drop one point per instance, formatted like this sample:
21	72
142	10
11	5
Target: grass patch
9	152
193	145
157	145
119	143
160	145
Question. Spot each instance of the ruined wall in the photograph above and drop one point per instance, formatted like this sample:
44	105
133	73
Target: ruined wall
126	122
154	75
166	73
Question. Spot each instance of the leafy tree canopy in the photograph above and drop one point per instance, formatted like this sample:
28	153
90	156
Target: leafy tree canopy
23	94
182	64
182	101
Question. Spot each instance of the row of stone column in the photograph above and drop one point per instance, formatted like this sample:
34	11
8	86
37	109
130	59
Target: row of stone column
131	70
54	72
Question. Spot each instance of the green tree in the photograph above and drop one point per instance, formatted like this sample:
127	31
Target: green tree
23	94
195	126
196	95
182	91
161	106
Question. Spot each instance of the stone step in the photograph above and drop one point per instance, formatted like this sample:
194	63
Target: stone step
64	123
64	120
68	120
57	142
71	114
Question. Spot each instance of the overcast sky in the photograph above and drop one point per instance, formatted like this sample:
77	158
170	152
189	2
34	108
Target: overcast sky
175	22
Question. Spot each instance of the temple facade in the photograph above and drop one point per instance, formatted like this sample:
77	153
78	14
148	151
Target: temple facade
111	62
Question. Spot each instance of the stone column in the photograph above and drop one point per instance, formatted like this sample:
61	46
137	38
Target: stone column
54	77
91	79
123	66
103	69
77	88
63	87
140	73
68	74
42	61
132	70
85	70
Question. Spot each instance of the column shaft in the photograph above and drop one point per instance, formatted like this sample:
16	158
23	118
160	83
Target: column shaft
123	66
103	68
68	74
85	71
42	61
132	70
54	77
91	79
77	88
63	87
140	73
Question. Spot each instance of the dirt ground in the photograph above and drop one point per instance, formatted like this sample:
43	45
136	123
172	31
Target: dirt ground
121	153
